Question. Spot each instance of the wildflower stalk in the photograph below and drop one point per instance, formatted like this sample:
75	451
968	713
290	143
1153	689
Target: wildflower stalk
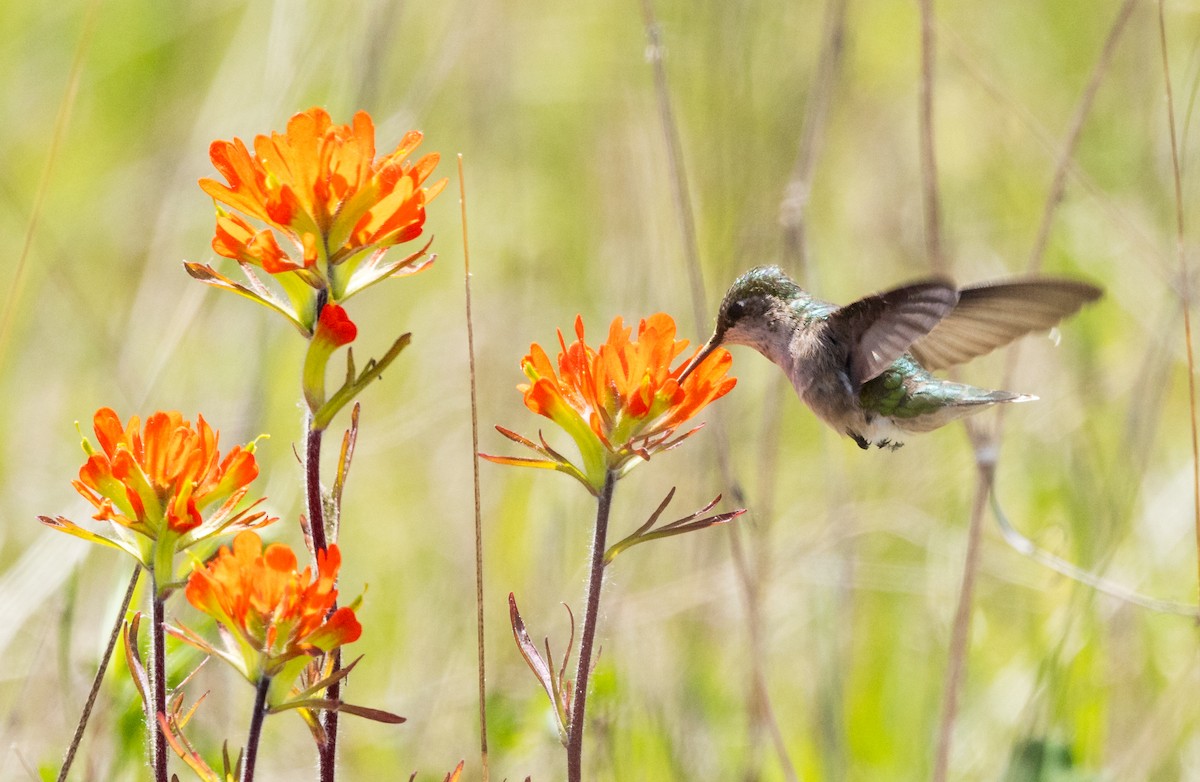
591	617
312	485
329	720
327	752
158	682
621	404
256	721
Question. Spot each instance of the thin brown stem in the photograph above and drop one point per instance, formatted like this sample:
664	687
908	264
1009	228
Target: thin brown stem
793	206
16	279
1059	183
962	624
1184	279
1092	580
794	220
591	618
312	485
327	752
256	722
929	177
678	172
986	445
759	696
86	714
483	744
1139	238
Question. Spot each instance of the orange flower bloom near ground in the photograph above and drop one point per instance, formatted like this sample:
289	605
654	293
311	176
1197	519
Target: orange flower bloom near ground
275	615
319	185
620	402
158	486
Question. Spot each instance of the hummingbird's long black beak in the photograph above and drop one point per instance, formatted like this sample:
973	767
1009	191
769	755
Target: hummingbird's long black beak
713	343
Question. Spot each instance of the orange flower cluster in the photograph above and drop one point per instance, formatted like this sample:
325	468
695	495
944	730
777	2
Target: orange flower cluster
319	186
622	402
154	485
318	181
167	475
276	617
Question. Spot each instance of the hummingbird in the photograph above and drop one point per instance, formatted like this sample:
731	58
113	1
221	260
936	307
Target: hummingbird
865	368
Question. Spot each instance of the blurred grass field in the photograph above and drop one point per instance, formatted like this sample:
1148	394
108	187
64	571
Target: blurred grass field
858	556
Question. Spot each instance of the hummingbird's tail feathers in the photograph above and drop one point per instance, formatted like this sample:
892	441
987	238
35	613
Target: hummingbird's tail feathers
985	397
955	400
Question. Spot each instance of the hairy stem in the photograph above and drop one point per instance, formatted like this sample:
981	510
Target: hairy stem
327	752
158	683
1184	284
256	722
591	617
329	719
312	485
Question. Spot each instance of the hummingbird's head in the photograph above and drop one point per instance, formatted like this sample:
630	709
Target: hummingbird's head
755	309
755	313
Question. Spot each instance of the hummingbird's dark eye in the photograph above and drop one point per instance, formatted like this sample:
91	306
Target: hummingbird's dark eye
736	310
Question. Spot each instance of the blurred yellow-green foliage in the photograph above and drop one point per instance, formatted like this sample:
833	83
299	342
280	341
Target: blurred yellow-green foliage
857	557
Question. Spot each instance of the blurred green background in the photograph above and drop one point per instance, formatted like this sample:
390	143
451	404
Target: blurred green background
856	558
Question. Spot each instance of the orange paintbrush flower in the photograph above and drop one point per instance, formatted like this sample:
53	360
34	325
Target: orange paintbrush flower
274	618
319	186
620	403
162	488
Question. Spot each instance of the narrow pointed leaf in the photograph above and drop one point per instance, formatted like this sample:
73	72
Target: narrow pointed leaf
133	657
675	528
349	390
71	528
211	276
694	515
533	658
349	440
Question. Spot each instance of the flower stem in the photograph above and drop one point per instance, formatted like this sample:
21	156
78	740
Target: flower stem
329	719
158	683
312	484
591	617
327	752
256	721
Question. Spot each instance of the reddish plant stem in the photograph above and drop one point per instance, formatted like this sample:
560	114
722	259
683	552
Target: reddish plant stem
158	683
256	722
1184	284
591	618
961	634
312	486
329	719
327	752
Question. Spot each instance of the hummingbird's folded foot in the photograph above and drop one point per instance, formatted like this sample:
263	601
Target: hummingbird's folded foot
862	442
887	443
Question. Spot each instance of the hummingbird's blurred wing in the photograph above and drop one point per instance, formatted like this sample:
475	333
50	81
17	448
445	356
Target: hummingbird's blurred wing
991	315
883	327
